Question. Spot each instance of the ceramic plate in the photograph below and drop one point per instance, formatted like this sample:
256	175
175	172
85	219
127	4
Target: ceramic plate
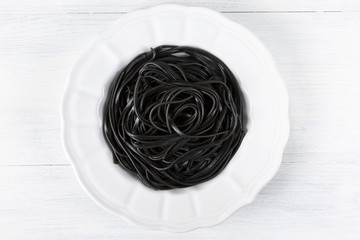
254	164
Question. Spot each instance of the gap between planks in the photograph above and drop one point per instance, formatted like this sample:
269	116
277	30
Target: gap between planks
223	12
37	165
291	11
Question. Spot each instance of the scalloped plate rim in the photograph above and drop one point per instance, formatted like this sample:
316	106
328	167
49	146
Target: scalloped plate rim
231	208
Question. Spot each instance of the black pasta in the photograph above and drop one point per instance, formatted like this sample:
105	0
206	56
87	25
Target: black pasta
174	117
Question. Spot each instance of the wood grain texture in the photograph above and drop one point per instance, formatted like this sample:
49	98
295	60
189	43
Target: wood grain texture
315	195
115	6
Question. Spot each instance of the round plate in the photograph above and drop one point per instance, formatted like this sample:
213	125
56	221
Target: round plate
254	164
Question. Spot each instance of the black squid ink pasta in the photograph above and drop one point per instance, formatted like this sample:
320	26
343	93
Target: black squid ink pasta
174	117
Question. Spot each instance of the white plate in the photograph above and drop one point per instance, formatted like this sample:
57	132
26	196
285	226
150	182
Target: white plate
257	159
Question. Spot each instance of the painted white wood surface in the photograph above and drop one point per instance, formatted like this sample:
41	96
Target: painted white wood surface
315	195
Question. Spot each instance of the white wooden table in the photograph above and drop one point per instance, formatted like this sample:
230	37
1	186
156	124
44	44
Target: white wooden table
316	193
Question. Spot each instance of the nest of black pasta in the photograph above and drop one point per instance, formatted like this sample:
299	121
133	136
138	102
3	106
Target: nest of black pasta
174	117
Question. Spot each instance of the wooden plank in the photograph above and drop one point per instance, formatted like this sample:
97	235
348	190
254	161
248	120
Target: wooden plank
115	6
305	200
317	55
